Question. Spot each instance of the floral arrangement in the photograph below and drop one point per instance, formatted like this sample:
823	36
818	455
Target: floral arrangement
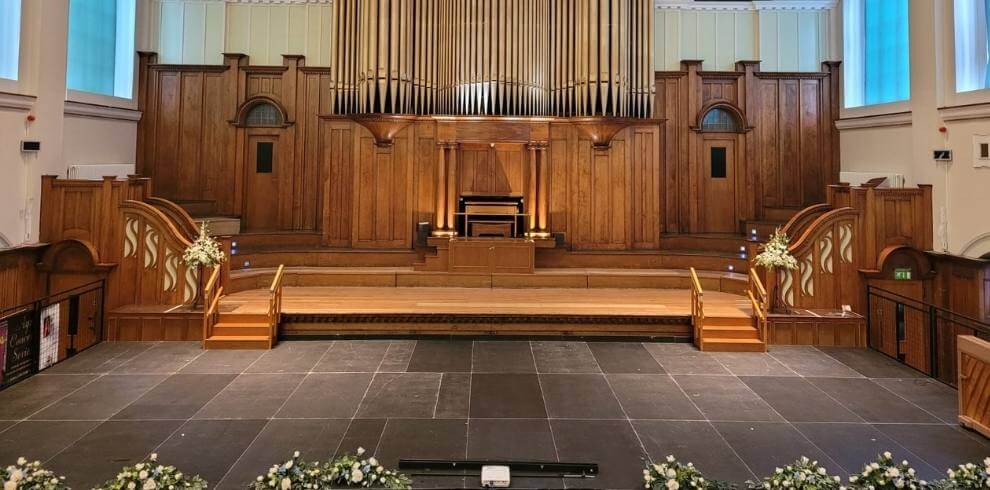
884	473
205	251
672	475
344	471
150	475
774	253
967	476
803	474
30	476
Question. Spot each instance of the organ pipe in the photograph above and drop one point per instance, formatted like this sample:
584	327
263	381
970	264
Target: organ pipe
493	57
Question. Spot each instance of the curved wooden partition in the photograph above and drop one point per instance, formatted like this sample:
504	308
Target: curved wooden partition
151	270
177	215
828	258
799	223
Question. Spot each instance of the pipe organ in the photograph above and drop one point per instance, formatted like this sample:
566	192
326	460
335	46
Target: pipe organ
493	57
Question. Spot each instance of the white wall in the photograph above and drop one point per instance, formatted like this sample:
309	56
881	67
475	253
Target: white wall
903	143
102	135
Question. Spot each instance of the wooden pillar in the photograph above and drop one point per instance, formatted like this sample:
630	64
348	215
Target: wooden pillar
537	189
452	188
446	205
531	186
440	216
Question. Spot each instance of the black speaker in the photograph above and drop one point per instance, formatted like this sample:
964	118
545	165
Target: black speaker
423	229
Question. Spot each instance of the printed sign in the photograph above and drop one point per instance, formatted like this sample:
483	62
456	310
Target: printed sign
22	347
3	349
902	274
49	337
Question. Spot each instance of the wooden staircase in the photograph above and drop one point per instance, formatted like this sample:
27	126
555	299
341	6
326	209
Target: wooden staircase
727	332
241	330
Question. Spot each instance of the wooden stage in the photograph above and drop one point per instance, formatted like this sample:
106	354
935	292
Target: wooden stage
327	311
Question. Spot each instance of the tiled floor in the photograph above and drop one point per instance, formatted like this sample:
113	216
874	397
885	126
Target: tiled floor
228	415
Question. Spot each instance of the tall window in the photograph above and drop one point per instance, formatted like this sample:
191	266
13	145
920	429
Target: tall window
10	38
876	51
972	21
101	47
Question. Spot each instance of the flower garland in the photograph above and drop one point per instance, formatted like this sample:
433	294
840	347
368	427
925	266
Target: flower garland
967	476
885	474
30	476
672	475
803	474
344	471
205	251
774	254
150	475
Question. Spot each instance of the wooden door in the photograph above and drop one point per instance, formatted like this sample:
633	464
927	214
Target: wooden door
718	186
900	331
261	183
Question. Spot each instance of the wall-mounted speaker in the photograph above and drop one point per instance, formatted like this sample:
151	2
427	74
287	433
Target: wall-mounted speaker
422	233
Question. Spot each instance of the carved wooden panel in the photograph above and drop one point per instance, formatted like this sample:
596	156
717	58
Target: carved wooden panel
974	377
383	179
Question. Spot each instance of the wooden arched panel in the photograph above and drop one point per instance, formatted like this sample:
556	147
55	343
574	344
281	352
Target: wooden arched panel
151	270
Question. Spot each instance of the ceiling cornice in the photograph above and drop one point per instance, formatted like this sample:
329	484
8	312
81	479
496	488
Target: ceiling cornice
746	6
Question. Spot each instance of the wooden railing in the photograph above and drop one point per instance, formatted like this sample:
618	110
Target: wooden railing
697	306
212	293
180	218
275	303
973	356
761	303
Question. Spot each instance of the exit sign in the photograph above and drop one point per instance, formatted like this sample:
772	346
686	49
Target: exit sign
902	274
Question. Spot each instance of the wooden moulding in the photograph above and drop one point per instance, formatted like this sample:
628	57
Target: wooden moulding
601	130
973	357
384	127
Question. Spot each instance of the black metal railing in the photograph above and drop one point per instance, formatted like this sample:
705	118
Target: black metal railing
918	334
35	336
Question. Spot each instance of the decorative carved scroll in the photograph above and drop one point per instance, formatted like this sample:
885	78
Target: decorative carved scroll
151	266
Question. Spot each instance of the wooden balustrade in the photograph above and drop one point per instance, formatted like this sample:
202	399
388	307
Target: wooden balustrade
761	303
212	293
973	378
275	303
697	305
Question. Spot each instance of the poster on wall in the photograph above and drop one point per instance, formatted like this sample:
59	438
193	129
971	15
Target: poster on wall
3	349
49	337
21	347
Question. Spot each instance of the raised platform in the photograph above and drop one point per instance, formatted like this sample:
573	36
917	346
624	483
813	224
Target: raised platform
387	310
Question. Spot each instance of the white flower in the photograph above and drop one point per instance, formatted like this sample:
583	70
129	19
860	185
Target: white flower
143	475
149	485
893	472
9	485
373	462
671	473
153	457
286	484
360	451
131	486
357	476
16	475
21	461
672	485
670	458
886	454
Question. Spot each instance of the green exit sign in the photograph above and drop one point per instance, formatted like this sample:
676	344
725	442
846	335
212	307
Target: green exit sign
902	274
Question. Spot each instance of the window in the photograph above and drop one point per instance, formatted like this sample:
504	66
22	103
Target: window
266	155
972	20
720	120
10	38
263	115
101	47
719	170
876	50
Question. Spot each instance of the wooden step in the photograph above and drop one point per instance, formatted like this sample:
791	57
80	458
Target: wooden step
728	321
729	332
243	318
733	345
225	328
238	342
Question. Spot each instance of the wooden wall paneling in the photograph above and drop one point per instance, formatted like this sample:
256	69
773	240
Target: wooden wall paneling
647	192
338	157
20	281
424	160
383	185
561	157
813	163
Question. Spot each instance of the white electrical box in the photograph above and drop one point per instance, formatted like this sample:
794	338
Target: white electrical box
493	476
981	150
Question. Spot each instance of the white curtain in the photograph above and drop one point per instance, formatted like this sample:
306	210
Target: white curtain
971	44
10	37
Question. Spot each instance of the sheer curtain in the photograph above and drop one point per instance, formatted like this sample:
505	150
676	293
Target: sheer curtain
887	73
971	19
92	51
10	37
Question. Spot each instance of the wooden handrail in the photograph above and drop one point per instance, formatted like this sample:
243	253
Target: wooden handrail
756	306
755	279
697	306
210	313
697	283
275	304
277	280
211	282
216	302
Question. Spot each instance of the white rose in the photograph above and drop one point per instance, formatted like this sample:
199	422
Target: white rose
149	485
21	461
373	462
899	484
670	459
286	484
143	475
672	485
360	451
16	475
893	472
9	485
131	486
886	454
671	473
357	476
295	454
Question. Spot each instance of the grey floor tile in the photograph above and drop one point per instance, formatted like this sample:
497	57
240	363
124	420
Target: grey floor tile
40	440
401	395
424	439
178	397
346	356
503	357
6	424
37	392
692	442
454	401
680	358
441	356
870	363
579	396
223	361
102	398
809	361
514	440
397	356
291	357
871	401
564	357
506	395
315	440
652	396
610	443
101	453
934	397
854	445
101	358
163	357
209	448
251	396
797	400
361	433
725	398
624	358
327	396
752	364
765	446
940	446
